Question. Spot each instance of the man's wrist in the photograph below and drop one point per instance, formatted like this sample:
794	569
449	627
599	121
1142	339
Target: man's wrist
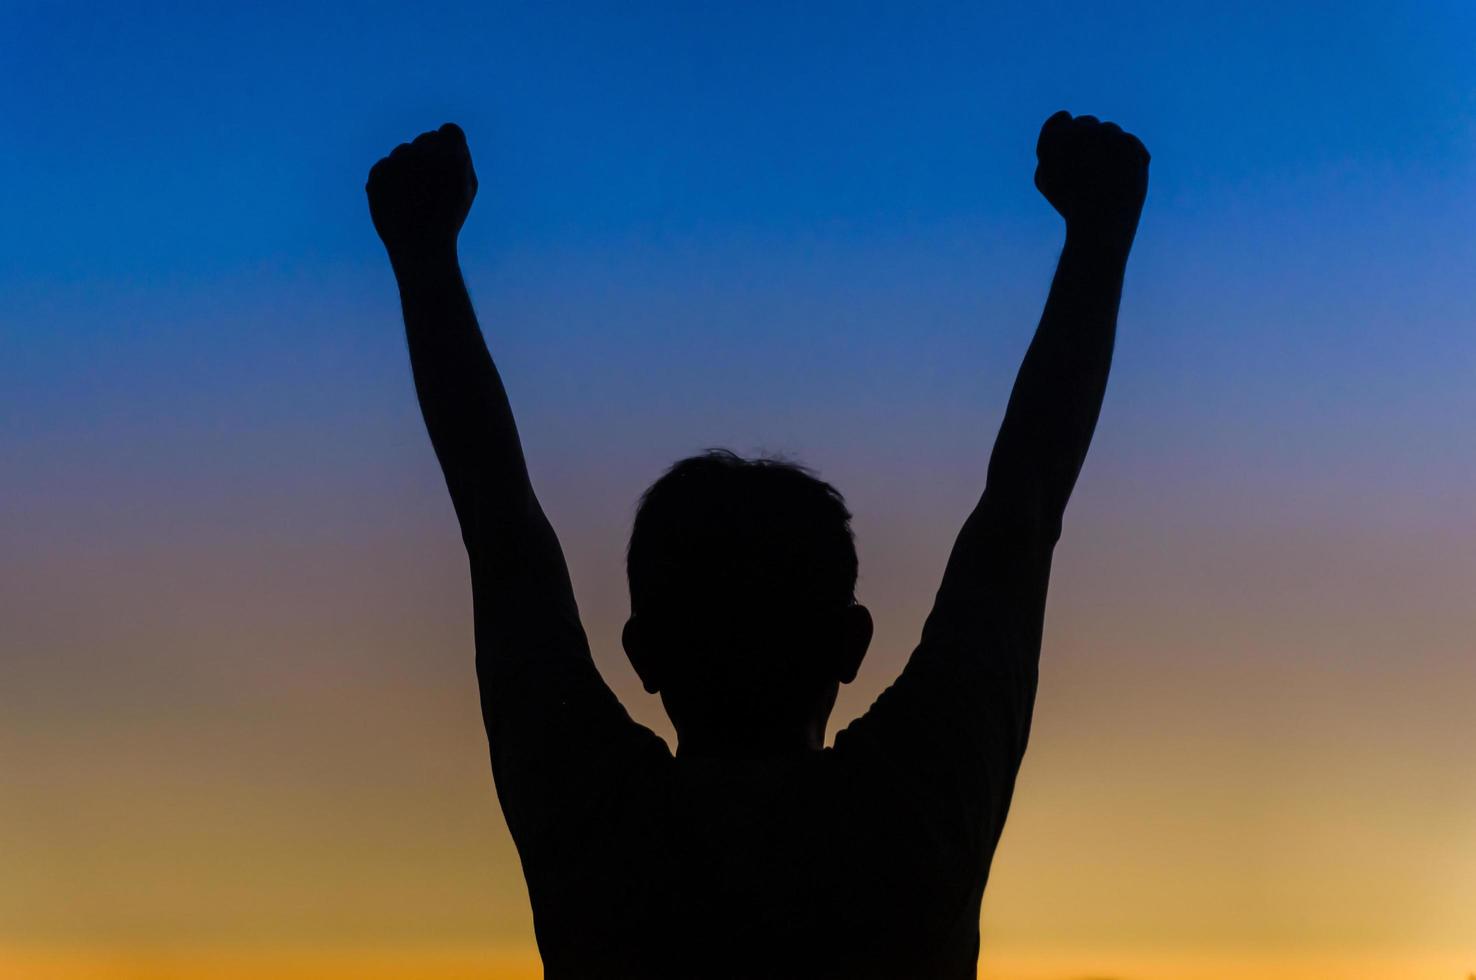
419	264
1102	238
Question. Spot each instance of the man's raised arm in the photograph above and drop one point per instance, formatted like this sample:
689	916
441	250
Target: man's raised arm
419	197
958	718
1096	176
552	724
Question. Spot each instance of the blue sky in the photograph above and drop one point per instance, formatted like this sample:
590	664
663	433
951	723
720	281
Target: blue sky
850	180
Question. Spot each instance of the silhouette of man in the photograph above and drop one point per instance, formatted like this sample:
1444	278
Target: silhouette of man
755	851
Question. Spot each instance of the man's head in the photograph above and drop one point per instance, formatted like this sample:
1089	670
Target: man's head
743	615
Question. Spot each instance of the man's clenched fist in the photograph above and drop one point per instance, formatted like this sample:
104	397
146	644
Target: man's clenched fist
420	194
1094	174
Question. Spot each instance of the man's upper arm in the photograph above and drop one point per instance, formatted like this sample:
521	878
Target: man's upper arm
957	719
558	736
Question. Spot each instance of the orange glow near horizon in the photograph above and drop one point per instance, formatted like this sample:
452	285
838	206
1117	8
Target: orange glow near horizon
492	964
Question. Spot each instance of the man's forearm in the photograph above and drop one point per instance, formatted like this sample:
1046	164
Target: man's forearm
1058	393
419	197
1096	177
462	399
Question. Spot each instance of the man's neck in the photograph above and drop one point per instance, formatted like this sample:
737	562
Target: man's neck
751	745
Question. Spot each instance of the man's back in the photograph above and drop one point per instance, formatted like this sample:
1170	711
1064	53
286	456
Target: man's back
866	859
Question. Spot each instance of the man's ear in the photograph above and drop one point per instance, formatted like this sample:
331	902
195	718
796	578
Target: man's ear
855	640
643	655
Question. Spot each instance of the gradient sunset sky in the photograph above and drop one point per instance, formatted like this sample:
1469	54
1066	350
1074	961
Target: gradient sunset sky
239	730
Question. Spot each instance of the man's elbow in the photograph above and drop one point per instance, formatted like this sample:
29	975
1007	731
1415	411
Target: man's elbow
1020	515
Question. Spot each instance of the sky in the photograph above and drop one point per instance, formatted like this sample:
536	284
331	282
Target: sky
239	731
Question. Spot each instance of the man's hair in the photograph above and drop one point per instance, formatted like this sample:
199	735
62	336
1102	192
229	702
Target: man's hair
761	537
